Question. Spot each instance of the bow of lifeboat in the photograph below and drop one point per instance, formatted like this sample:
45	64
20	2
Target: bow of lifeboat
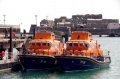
82	53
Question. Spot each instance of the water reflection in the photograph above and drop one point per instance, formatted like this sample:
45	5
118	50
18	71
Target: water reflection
54	74
51	74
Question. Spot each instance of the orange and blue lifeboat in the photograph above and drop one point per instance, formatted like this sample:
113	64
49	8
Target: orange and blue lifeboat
82	53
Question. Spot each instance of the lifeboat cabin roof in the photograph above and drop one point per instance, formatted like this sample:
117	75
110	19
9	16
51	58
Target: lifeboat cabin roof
81	36
44	36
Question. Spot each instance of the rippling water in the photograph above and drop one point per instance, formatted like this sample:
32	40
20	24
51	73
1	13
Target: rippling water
113	72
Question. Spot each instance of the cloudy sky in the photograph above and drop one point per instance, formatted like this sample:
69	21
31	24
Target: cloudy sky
24	11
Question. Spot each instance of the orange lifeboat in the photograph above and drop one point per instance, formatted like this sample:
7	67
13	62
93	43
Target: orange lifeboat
42	50
82	53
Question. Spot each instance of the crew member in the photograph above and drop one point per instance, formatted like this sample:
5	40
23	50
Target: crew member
24	48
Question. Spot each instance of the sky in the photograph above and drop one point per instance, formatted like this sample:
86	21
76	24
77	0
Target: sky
22	12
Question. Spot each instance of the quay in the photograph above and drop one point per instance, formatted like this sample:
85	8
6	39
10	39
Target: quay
10	47
6	65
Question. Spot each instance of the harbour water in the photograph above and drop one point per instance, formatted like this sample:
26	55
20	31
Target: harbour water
113	72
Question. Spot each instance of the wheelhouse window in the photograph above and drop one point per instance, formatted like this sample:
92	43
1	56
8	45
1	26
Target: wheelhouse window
44	44
81	44
69	44
75	44
48	44
86	44
38	44
33	44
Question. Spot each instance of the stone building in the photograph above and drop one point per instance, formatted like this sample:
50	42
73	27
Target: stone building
93	16
50	23
99	23
44	23
47	23
88	21
63	22
77	20
92	21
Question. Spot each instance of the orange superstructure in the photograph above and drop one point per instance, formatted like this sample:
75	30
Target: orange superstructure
81	43
44	43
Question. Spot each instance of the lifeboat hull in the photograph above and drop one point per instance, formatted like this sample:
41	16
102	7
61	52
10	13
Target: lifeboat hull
35	62
77	63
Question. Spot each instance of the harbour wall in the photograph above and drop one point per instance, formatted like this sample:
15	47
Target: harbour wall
92	31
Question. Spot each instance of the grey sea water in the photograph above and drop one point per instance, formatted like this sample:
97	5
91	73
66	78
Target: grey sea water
112	72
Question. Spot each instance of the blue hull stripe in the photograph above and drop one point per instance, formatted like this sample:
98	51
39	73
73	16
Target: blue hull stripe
79	58
37	62
73	63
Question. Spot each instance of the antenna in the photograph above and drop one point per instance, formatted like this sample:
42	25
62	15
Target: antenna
72	8
46	17
39	16
54	10
91	10
4	19
36	19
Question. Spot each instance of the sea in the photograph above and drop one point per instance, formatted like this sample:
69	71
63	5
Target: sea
111	44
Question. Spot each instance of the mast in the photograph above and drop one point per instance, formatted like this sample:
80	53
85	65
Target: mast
4	19
36	19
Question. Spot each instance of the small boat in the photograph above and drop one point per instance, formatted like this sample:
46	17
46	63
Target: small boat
82	53
41	51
